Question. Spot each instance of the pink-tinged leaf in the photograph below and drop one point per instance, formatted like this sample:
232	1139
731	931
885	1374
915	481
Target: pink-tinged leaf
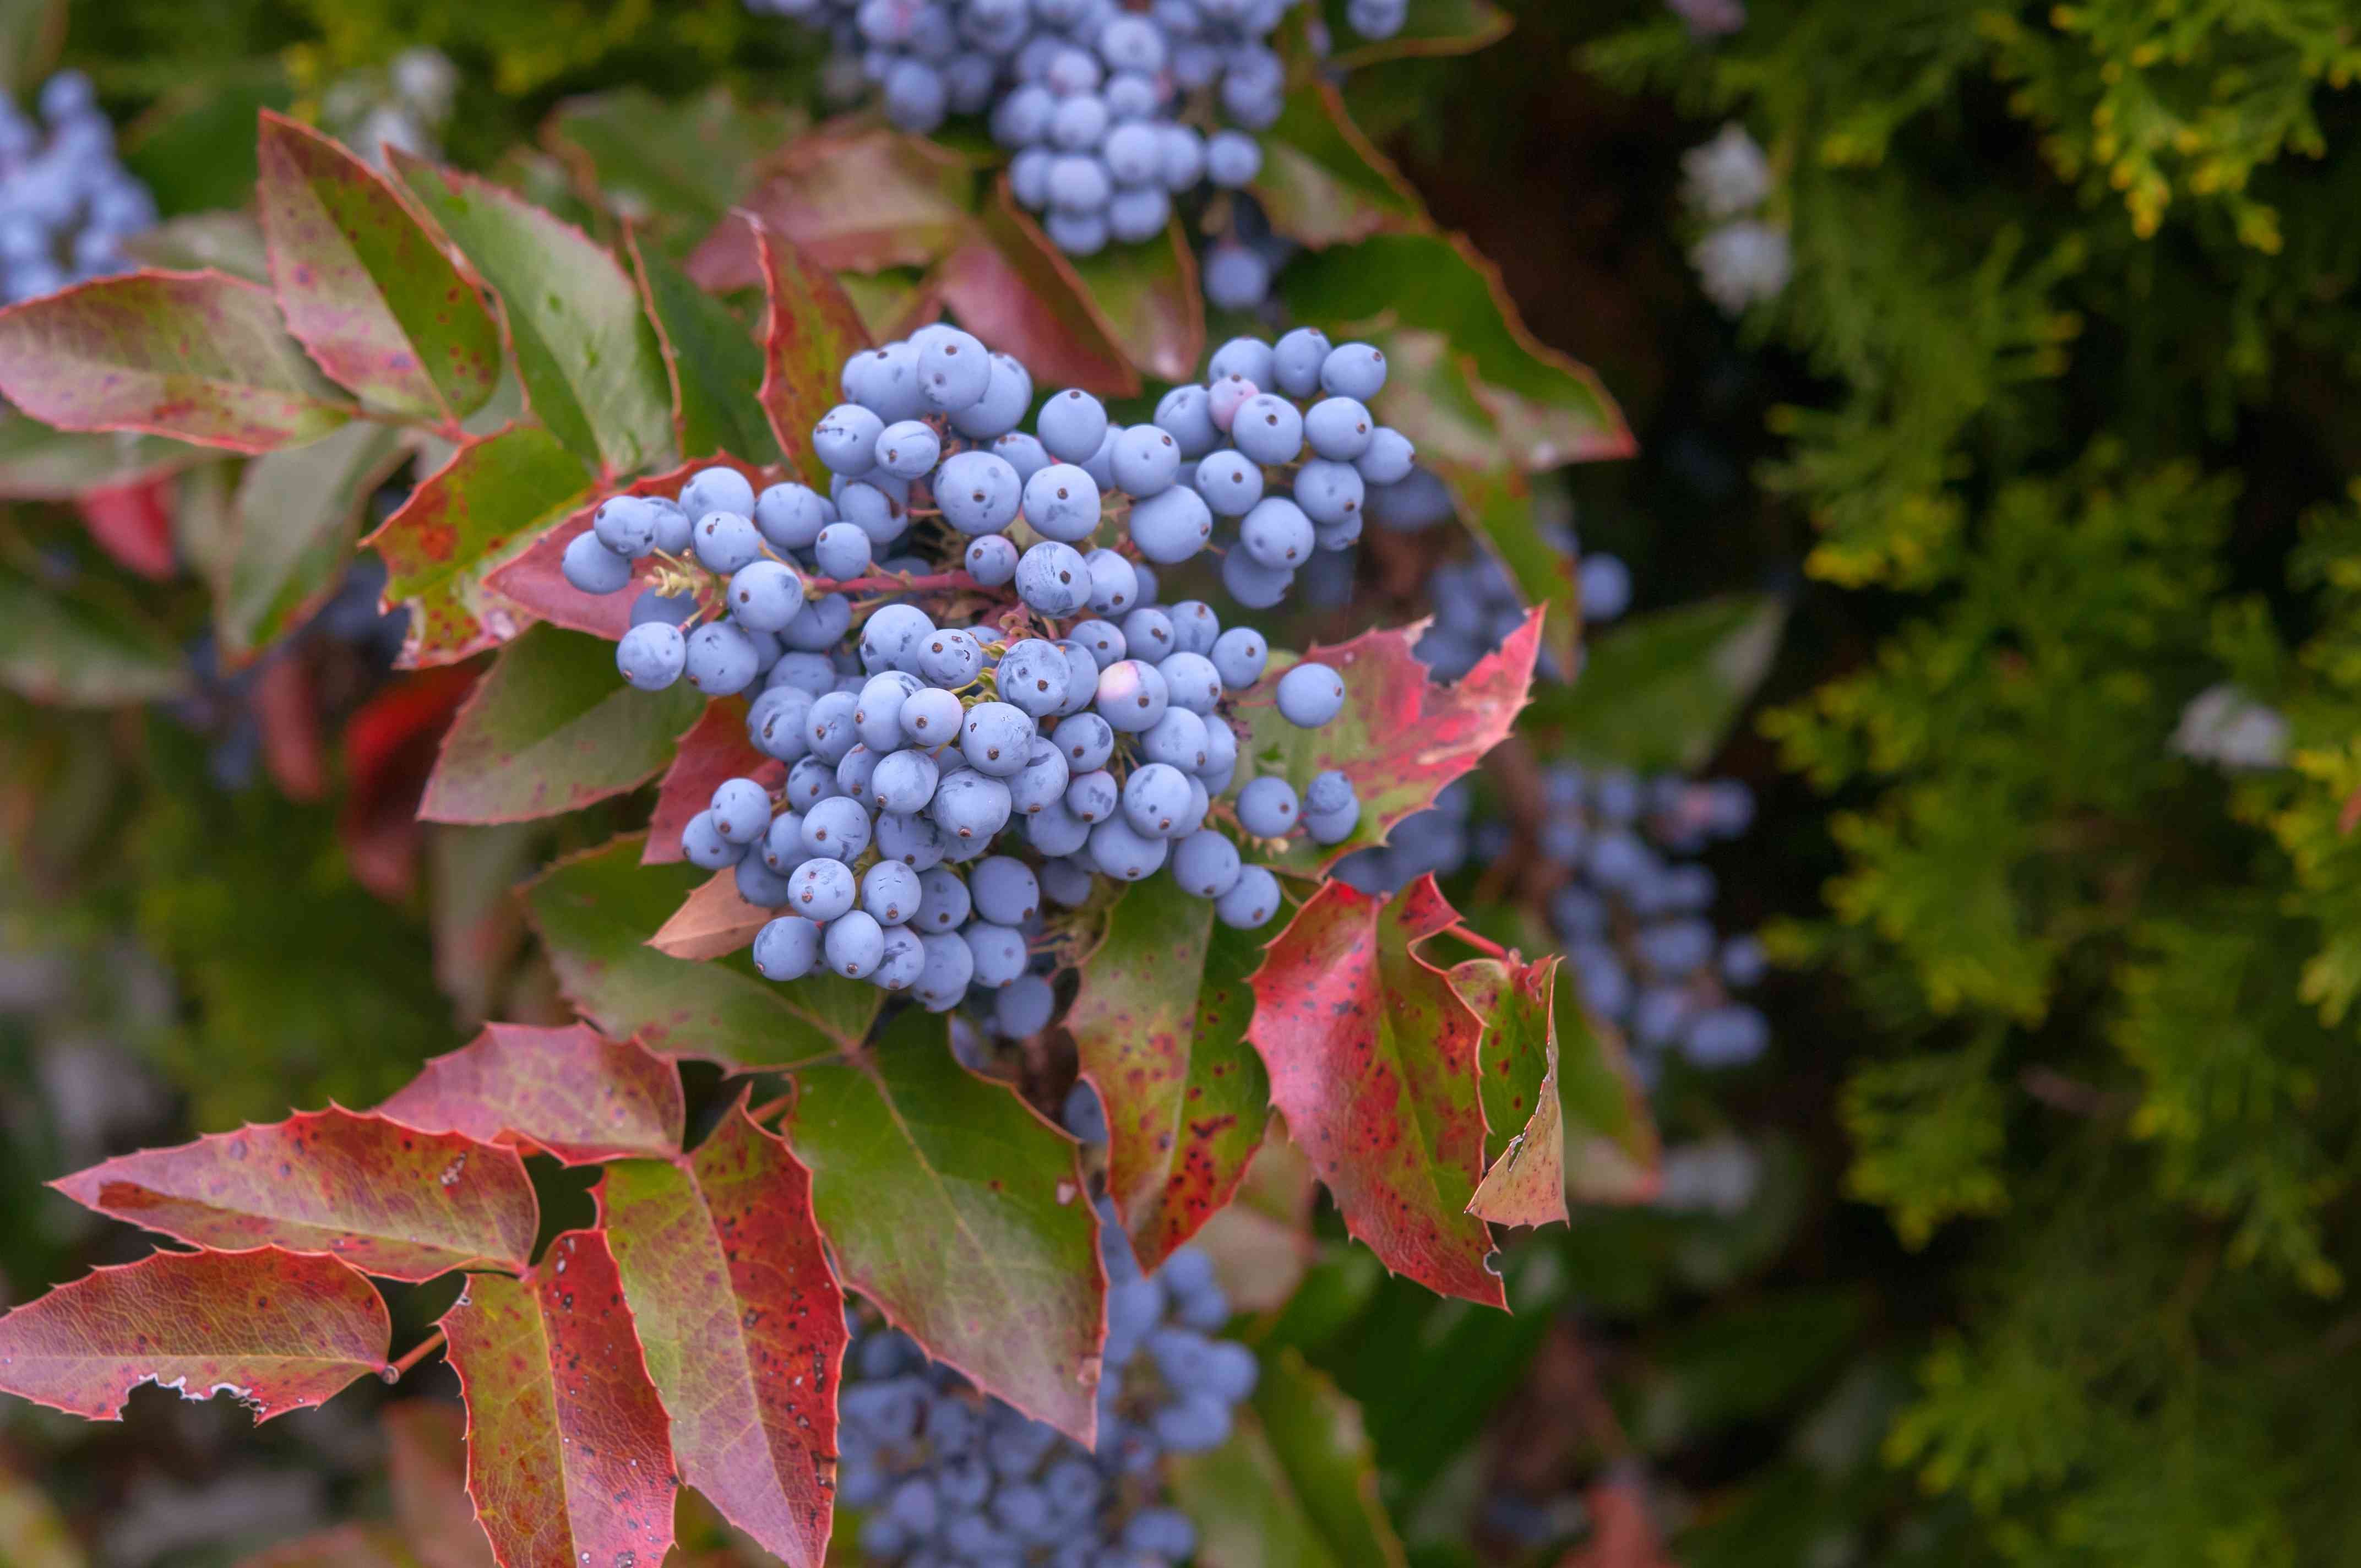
568	1091
715	748
1148	296
551	728
364	288
534	582
277	1330
386	1199
297	514
1524	1140
496	496
596	911
37	463
1400	738
962	1214
426	1471
856	199
1372	1061
1160	1024
809	330
133	523
1322	182
712	923
195	355
743	1323
1019	294
390	747
567	1457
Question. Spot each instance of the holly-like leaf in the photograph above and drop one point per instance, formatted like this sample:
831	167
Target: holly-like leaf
83	643
588	355
743	1324
1160	1025
1434	28
1372	1061
567	1457
293	528
714	365
1661	690
551	728
596	913
389	1200
566	1091
1524	1138
195	355
276	1330
426	1471
1400	738
712	922
1322	182
809	330
1148	296
1020	294
1261	1243
855	199
536	581
37	463
223	241
364	288
494	498
678	164
962	1214
715	748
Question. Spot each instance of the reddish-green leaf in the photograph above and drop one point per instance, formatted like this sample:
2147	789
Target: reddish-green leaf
712	922
743	1324
1020	294
389	1200
855	199
364	288
809	330
716	748
588	355
1525	1132
676	163
1148	294
277	1330
535	580
1160	1024
426	1471
494	498
962	1214
567	1458
292	526
550	729
1400	737
37	463
714	363
567	1091
195	355
1322	182
596	913
1372	1061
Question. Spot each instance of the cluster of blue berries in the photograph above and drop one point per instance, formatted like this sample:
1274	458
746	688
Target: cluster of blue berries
66	204
1477	607
948	1478
1087	720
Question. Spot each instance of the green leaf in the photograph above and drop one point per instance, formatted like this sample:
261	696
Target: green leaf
1296	1486
595	912
1435	29
715	365
293	528
195	355
1160	1024
484	507
679	166
960	1214
1661	690
550	729
1322	182
364	289
195	148
32	37
37	463
83	643
1147	295
809	330
1516	1063
592	368
228	242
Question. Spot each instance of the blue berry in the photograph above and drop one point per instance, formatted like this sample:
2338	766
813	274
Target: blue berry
1146	459
1053	579
718	489
592	568
1295	362
855	943
1124	853
995	738
837	828
1267	429
1093	797
821	890
846	439
1251	583
1003	889
904	782
765	596
978	492
652	656
626	525
721	660
1115	583
969	806
791	516
1238	656
1155	800
954	369
758	884
1172	525
1251	903
1229	483
1062	502
786	948
1007	393
1072	426
1353	370
843	551
702	843
1311	695
1267	807
1205	865
1132	696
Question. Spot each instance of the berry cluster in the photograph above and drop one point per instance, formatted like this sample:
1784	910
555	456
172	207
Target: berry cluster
1093	98
1085	716
1476	605
66	205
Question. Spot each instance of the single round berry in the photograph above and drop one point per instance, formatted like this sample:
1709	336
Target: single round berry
652	656
590	567
1311	695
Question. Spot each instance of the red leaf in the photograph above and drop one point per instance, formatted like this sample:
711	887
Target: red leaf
1017	293
277	1330
1400	738
497	495
713	923
426	1471
567	1458
715	748
389	749
579	1097
533	581
1524	1146
133	523
809	330
856	199
365	290
1148	297
197	356
288	712
744	1323
1372	1061
386	1199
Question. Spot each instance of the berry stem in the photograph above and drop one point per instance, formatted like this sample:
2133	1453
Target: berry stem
769	1108
1482	943
391	1372
892	584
